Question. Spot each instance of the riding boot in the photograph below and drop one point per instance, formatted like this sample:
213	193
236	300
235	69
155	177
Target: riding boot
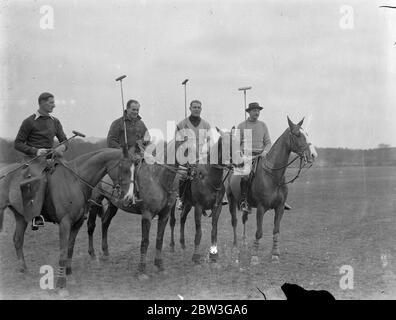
244	204
182	191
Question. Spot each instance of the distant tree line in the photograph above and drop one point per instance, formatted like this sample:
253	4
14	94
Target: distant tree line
329	157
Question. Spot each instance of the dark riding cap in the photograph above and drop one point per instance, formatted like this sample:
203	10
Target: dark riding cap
252	106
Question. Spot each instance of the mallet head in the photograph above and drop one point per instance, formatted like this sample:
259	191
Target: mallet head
244	88
120	78
185	81
78	134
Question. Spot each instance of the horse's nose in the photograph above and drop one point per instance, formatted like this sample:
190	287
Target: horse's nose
314	154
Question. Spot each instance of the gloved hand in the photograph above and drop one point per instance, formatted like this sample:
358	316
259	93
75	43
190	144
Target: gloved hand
264	154
59	150
41	152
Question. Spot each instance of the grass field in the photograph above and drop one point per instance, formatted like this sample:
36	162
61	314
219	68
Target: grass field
340	216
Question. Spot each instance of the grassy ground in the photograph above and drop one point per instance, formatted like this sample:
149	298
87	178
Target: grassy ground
340	216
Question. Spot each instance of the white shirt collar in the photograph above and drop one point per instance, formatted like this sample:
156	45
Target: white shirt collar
38	115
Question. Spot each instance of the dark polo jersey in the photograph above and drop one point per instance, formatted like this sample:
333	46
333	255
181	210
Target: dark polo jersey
136	130
37	132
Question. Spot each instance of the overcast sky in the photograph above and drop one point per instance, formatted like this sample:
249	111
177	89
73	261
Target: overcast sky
296	55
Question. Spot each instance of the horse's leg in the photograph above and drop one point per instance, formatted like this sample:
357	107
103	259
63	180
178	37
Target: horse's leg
64	233
183	217
72	239
163	217
244	220
106	220
213	253
93	213
19	235
259	230
198	233
172	223
234	219
146	224
277	219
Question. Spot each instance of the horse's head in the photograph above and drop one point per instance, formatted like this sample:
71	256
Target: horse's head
299	142
120	172
225	144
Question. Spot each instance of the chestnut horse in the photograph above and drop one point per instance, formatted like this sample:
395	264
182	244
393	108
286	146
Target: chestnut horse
69	187
268	189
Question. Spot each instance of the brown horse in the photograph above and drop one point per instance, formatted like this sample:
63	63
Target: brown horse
157	189
68	189
268	189
207	192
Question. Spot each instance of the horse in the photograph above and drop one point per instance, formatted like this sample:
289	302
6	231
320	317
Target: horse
207	192
69	186
157	184
268	189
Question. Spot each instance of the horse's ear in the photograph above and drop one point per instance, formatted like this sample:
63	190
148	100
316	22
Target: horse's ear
301	122
220	131
291	124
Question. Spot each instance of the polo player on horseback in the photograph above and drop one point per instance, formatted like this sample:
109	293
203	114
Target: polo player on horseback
136	133
260	145
35	138
195	124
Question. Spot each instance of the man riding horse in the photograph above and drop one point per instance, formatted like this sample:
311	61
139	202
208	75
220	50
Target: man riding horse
35	138
260	145
136	133
192	124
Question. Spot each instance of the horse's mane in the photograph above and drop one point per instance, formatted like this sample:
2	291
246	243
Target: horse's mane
84	157
277	142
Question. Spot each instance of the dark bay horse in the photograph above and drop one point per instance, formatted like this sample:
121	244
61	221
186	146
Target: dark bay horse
268	189
157	184
207	192
68	189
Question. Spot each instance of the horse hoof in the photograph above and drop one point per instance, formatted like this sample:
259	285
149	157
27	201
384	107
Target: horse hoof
275	258
254	261
63	293
104	257
213	257
142	277
61	283
22	269
92	255
159	264
196	258
141	268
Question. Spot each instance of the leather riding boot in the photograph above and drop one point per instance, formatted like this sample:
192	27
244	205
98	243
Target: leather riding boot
244	190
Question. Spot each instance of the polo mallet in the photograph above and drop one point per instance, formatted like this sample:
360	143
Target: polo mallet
244	89
184	83
75	134
123	108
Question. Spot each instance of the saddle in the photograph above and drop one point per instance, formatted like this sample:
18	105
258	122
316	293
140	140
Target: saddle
33	187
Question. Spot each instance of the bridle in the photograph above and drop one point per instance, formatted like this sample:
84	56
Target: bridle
300	155
116	186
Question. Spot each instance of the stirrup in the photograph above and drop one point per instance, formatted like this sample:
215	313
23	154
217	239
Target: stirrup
245	206
180	205
40	223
